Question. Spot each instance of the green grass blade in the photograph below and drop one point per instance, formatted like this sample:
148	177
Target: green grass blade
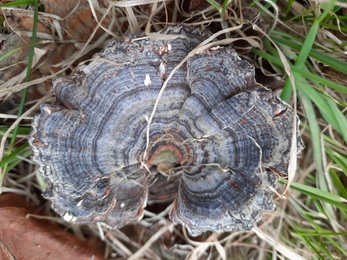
9	53
307	46
27	79
339	159
326	106
214	4
339	185
18	160
314	233
319	194
18	2
328	60
304	73
317	149
12	156
340	118
21	130
314	242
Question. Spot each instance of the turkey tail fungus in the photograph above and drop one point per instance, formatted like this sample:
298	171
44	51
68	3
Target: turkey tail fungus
144	113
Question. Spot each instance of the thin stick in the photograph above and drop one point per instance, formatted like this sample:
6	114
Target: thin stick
154	238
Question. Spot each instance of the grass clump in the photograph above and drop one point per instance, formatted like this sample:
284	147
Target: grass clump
318	66
305	46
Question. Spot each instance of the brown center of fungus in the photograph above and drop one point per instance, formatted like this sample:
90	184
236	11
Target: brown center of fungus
166	155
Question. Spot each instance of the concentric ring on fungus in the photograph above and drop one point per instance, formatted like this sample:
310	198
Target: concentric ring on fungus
216	141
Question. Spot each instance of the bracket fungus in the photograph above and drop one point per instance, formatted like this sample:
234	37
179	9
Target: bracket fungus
142	121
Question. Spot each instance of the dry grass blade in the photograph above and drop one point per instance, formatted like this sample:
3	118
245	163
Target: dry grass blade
6	251
280	247
148	244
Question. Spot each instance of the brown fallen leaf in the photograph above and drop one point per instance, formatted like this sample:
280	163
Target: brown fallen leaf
29	238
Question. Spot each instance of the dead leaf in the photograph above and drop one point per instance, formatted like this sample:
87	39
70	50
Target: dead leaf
29	238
